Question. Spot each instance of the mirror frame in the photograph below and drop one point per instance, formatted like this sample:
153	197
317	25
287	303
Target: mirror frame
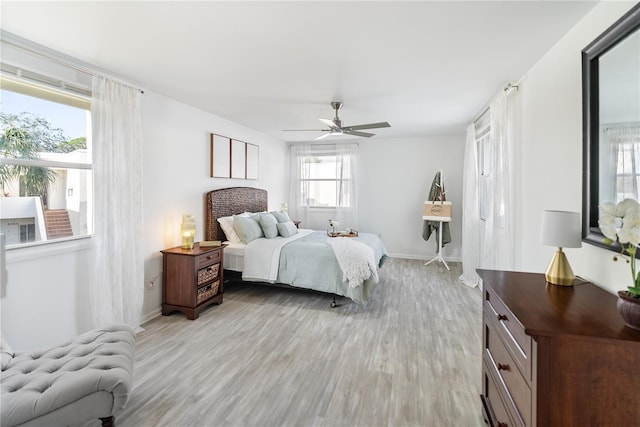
622	28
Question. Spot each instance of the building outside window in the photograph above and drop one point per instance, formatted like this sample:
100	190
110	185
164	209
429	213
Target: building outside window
45	163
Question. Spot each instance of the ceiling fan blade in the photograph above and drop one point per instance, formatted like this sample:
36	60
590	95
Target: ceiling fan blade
305	130
368	126
323	136
328	122
364	134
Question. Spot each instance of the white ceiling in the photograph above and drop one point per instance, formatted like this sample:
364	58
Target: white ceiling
426	67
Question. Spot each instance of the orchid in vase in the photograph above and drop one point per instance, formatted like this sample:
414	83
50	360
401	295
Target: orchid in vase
621	222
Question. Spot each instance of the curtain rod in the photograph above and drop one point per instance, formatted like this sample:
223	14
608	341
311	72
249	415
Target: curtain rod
507	88
58	57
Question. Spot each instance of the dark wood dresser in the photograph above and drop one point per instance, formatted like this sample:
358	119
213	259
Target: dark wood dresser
555	355
192	279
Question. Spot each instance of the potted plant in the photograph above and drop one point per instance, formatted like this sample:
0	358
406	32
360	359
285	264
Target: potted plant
621	222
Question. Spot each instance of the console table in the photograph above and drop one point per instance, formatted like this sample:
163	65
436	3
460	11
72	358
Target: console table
556	355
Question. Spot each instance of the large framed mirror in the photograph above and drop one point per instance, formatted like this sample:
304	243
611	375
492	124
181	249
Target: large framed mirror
611	121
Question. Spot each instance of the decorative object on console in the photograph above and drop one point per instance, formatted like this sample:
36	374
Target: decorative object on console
561	229
620	223
188	230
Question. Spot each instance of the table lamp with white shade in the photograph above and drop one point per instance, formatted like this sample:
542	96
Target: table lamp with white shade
561	229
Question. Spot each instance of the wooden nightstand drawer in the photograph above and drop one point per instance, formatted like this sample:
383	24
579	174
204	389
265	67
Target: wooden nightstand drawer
208	259
498	360
511	331
207	291
208	273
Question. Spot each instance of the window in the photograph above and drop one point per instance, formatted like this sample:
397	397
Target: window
620	147
45	162
325	180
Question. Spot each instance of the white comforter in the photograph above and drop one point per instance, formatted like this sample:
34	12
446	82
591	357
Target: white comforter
262	257
357	260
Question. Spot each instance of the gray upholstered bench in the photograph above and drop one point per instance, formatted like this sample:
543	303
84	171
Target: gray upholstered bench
87	378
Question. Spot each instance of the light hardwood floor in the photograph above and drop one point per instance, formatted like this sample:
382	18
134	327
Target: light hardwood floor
282	357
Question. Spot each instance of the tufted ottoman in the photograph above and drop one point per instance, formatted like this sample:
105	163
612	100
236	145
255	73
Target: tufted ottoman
86	378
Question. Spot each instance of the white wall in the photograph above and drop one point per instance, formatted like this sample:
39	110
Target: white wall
46	299
176	176
394	178
552	150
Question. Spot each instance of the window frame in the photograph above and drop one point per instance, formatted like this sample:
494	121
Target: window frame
74	99
337	180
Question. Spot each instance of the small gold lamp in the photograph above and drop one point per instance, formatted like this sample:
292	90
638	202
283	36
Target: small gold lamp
561	229
188	230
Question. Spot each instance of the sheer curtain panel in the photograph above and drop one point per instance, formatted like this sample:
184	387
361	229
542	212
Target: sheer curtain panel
117	281
470	211
496	249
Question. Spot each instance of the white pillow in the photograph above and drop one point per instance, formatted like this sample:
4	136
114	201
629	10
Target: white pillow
248	228
287	229
226	223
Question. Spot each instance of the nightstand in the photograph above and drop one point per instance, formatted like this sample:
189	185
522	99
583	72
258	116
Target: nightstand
192	279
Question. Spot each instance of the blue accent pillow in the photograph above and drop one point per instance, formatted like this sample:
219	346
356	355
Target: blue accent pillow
287	229
248	228
281	216
269	224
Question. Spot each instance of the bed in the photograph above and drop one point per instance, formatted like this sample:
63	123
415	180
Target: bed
306	259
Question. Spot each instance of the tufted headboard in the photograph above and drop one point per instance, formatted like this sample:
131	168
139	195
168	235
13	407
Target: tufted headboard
230	201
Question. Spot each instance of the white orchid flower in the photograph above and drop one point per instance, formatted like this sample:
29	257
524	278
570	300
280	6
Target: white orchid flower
624	206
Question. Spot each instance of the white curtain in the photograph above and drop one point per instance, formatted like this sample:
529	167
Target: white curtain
299	186
117	281
496	250
470	217
301	197
346	165
620	162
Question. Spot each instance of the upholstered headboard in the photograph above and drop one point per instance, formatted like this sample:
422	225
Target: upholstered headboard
230	201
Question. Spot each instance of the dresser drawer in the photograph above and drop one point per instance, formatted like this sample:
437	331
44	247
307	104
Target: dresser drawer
499	361
498	414
207	259
511	330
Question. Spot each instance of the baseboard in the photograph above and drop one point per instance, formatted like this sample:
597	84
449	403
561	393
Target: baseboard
422	257
151	315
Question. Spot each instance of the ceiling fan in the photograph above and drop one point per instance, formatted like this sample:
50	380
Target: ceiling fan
336	128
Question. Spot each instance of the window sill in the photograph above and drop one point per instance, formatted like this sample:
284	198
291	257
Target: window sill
25	252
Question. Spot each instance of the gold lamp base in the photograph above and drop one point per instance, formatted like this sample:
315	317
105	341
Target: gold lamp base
559	271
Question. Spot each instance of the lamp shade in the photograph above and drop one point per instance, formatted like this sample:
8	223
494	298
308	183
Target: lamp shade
561	229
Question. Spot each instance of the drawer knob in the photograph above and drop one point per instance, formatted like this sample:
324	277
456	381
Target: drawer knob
502	317
502	424
503	367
